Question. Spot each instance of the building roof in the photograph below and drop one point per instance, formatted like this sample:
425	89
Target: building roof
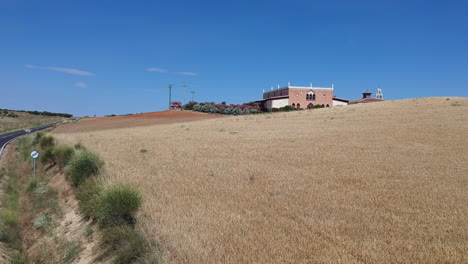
301	87
341	100
365	100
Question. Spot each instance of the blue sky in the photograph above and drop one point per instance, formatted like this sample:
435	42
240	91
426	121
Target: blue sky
117	57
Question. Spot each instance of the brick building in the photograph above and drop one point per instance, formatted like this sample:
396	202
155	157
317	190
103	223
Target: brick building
300	97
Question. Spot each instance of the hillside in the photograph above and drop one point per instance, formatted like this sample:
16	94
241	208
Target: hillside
381	182
16	120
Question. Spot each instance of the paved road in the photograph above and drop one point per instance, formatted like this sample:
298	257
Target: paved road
7	137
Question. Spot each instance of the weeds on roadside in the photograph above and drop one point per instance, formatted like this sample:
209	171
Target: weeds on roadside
82	166
79	146
88	196
47	141
118	204
125	243
32	184
63	155
9	229
48	157
70	250
37	138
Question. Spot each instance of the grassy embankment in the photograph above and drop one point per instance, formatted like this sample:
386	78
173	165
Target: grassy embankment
381	182
40	221
17	120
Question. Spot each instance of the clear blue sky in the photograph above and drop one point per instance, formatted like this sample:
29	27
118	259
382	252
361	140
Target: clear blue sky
117	57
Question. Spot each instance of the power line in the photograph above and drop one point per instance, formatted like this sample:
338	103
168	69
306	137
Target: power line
170	95
185	86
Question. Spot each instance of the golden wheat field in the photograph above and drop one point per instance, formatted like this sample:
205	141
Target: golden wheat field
372	183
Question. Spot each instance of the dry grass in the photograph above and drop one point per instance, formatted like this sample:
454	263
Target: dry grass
374	183
25	120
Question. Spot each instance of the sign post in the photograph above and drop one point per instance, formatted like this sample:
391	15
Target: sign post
34	155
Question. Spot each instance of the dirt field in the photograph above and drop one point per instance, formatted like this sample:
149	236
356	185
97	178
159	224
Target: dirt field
145	119
374	183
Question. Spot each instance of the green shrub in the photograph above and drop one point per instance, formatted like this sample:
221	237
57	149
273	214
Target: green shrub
40	221
37	138
287	108
9	218
48	157
24	144
18	259
79	145
189	105
63	154
71	250
32	184
88	194
47	142
117	205
125	243
82	166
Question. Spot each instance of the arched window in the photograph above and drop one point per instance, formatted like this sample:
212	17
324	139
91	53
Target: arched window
323	105
328	105
310	95
310	106
293	105
298	106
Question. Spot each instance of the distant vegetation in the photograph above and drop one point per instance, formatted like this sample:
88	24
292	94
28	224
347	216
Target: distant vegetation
11	120
11	113
223	108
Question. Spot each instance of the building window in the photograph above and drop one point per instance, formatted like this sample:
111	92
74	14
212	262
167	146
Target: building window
310	106
310	95
293	105
328	105
298	106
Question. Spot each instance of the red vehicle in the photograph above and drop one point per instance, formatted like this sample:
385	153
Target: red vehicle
176	105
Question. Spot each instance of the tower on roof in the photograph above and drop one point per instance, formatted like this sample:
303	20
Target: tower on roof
379	94
367	95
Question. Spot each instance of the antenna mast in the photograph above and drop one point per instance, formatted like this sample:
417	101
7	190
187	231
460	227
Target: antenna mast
185	86
193	96
170	95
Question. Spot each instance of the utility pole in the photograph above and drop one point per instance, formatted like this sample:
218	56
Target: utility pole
170	95
193	96
185	86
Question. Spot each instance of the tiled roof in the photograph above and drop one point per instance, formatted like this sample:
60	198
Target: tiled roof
365	100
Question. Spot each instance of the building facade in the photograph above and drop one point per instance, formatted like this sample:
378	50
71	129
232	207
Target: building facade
299	97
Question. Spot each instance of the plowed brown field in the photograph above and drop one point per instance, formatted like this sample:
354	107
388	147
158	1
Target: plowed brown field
145	119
